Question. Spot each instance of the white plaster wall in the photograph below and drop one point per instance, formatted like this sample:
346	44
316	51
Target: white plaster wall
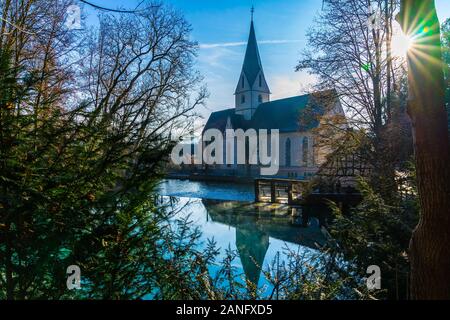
248	108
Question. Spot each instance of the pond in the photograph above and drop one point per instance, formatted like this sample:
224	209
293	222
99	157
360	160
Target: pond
260	233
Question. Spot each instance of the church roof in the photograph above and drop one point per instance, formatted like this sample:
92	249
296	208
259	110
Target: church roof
296	114
252	62
218	120
282	114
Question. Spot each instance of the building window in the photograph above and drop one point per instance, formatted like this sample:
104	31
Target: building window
260	99
243	98
243	82
314	154
260	81
288	153
305	151
247	150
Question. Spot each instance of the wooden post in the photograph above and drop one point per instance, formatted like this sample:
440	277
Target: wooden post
273	191
290	200
257	190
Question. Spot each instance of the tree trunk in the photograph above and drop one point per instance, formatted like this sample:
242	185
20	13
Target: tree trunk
430	243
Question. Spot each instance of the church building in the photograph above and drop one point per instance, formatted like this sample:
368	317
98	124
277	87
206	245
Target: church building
296	118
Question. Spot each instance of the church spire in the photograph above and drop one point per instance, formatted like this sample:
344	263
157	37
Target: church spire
252	89
252	62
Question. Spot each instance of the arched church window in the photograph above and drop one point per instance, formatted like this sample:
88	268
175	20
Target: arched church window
305	151
243	98
243	82
260	81
288	153
260	99
315	152
247	150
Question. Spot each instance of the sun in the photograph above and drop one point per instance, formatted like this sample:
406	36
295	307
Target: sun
401	44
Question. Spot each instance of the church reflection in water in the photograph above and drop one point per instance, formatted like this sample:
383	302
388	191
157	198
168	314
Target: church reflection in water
257	224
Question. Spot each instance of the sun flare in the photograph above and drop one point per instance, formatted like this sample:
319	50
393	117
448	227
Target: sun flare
401	44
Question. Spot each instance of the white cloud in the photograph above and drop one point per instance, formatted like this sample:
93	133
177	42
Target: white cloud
239	44
285	86
219	57
222	45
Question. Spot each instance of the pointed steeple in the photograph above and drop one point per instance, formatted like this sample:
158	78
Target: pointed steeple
252	88
252	62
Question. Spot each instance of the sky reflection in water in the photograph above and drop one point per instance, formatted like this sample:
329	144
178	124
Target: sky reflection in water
257	231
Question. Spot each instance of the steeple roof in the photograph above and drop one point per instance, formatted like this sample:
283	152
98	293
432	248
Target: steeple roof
252	62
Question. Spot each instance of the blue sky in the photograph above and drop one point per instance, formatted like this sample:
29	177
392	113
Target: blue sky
221	26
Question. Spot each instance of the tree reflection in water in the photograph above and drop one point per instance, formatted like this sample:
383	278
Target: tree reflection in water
255	225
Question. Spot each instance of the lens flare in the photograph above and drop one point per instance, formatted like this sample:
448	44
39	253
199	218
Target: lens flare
401	44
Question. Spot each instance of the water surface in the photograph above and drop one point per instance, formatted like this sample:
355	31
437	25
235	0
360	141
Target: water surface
260	233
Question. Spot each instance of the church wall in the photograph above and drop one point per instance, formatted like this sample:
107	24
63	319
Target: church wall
245	110
251	94
255	98
243	107
296	139
297	169
258	90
